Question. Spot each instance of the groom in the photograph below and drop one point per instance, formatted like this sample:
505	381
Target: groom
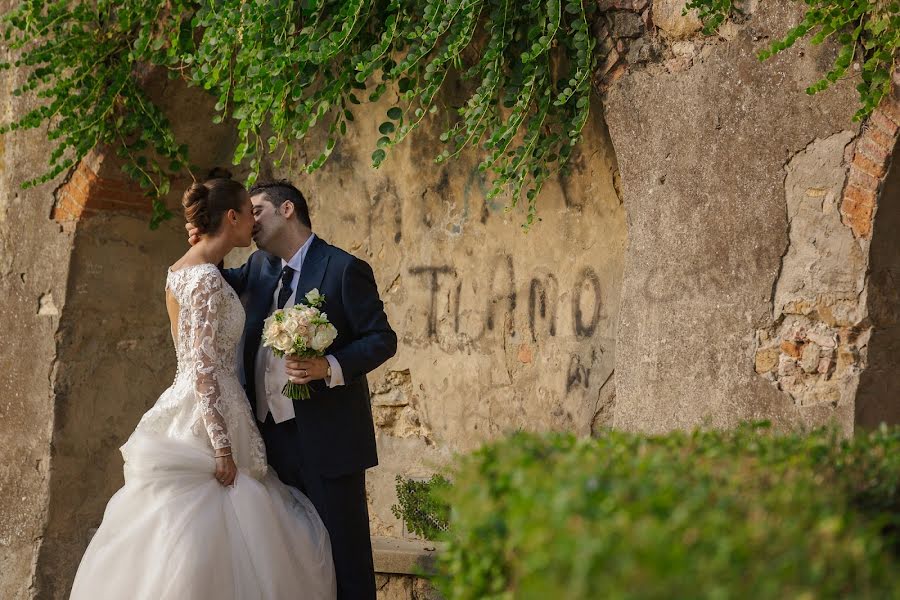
323	445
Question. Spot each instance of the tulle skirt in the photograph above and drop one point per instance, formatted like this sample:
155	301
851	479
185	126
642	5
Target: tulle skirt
173	532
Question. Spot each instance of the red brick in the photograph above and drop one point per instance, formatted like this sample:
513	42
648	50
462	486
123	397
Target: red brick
792	348
72	197
872	150
66	209
138	203
857	209
879	137
882	122
860	195
861	179
87	194
869	166
891	109
78	183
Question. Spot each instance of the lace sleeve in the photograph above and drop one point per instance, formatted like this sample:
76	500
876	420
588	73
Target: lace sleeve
206	300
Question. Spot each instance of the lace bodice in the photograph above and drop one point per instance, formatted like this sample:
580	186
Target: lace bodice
206	402
208	332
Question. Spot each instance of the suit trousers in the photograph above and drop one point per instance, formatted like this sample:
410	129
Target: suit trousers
340	502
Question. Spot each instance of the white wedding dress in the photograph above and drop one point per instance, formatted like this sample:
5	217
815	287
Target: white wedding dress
173	532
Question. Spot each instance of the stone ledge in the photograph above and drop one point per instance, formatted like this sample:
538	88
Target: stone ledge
406	557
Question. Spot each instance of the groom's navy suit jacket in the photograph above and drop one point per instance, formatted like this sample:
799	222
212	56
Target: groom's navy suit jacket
336	430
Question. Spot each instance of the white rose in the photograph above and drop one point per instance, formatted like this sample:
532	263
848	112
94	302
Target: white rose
291	323
314	297
325	336
321	340
271	329
283	342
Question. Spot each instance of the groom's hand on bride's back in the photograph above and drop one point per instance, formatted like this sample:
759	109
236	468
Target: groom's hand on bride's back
193	233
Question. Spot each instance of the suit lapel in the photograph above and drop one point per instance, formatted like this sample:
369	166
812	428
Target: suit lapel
269	277
260	303
313	270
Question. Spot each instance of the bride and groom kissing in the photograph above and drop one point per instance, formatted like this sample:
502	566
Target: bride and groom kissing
232	490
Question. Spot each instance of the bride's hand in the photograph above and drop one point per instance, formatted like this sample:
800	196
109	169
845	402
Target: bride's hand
193	233
226	470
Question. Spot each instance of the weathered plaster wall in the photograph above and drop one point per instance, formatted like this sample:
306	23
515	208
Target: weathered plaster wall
732	178
114	358
34	262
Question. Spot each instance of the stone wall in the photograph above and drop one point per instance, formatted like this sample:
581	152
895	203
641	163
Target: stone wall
745	284
34	263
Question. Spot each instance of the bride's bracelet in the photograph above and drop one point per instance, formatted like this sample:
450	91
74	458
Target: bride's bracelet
223	455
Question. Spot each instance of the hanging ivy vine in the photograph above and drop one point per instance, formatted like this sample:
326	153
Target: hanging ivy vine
867	31
282	68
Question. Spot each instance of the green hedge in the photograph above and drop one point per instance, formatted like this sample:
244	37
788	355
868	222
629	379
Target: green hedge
708	514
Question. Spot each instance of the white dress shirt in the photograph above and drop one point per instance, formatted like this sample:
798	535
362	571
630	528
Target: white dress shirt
270	370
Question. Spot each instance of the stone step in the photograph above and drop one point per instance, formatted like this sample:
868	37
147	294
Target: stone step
404	556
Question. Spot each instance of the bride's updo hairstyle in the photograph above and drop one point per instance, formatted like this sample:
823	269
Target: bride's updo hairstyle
206	203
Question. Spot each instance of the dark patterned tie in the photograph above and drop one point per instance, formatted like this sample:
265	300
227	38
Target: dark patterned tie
287	277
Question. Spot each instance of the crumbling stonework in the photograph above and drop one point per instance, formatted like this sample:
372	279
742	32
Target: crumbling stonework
703	147
816	349
395	407
404	587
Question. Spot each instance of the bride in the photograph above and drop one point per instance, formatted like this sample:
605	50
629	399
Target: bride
200	516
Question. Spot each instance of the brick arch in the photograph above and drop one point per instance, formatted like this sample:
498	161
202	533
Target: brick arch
87	193
871	162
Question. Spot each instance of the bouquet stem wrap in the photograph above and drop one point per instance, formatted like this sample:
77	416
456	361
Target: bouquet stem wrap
296	391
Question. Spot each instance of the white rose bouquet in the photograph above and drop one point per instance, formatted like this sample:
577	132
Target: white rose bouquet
300	330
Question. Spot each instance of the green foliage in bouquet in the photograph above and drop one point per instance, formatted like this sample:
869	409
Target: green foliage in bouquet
707	514
421	505
867	31
283	68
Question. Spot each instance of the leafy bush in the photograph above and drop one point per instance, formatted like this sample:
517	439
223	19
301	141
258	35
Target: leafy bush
421	506
708	514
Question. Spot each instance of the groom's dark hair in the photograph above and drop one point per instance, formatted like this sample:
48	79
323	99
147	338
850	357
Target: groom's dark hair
279	192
